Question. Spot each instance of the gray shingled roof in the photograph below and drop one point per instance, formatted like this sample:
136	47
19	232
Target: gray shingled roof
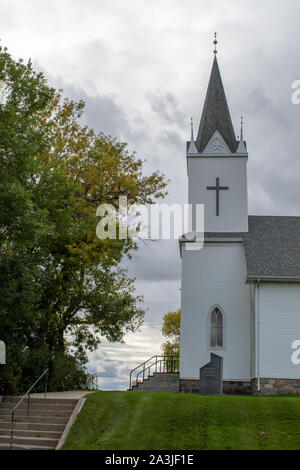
215	114
272	247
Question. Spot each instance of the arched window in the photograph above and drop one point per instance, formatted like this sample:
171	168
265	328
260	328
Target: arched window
216	328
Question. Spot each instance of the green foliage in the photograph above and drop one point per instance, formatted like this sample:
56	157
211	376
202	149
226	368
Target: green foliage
61	288
171	331
25	366
68	374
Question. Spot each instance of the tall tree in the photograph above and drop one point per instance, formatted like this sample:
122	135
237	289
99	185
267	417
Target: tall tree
171	331
61	287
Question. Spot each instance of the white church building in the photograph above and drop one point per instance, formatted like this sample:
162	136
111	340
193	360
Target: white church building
241	291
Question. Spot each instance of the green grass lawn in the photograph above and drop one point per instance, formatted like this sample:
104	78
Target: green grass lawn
165	421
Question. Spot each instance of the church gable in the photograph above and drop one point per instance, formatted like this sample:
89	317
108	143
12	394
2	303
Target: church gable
216	145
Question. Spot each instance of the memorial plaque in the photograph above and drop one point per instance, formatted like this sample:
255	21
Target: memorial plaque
2	353
211	376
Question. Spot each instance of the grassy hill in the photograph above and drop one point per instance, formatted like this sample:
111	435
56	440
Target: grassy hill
165	421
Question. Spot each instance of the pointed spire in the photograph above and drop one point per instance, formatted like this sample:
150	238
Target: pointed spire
215	114
242	128
192	147
192	130
242	144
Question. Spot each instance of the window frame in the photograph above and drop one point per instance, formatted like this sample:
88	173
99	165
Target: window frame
209	329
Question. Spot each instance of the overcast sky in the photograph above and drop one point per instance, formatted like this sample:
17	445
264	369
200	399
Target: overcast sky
142	68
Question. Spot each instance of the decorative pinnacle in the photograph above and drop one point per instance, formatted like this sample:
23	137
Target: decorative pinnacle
215	43
242	128
192	130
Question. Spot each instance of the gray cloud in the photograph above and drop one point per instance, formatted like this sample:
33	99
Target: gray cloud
166	107
102	113
155	261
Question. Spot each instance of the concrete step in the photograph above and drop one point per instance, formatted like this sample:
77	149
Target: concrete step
159	382
39	406
35	412
172	385
33	426
30	441
156	383
47	421
162	390
32	433
165	374
24	447
45	401
167	387
37	419
43	430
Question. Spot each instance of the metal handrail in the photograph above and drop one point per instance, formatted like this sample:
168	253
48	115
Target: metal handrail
149	367
27	395
158	360
140	365
143	363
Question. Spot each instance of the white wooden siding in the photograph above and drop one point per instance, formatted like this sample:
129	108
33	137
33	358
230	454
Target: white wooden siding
232	172
215	276
279	327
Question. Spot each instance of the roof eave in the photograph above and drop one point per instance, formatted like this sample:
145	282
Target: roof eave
281	279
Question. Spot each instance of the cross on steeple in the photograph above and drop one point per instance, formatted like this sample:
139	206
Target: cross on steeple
218	188
215	43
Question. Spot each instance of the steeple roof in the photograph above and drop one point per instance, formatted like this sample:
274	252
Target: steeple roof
215	114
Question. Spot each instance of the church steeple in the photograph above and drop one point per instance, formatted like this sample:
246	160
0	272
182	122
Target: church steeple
217	163
215	114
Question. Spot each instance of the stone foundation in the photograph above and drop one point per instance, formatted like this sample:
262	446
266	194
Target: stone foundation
267	387
230	388
237	388
276	387
188	385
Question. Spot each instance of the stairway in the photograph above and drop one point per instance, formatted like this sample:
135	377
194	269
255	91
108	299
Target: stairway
158	382
43	430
